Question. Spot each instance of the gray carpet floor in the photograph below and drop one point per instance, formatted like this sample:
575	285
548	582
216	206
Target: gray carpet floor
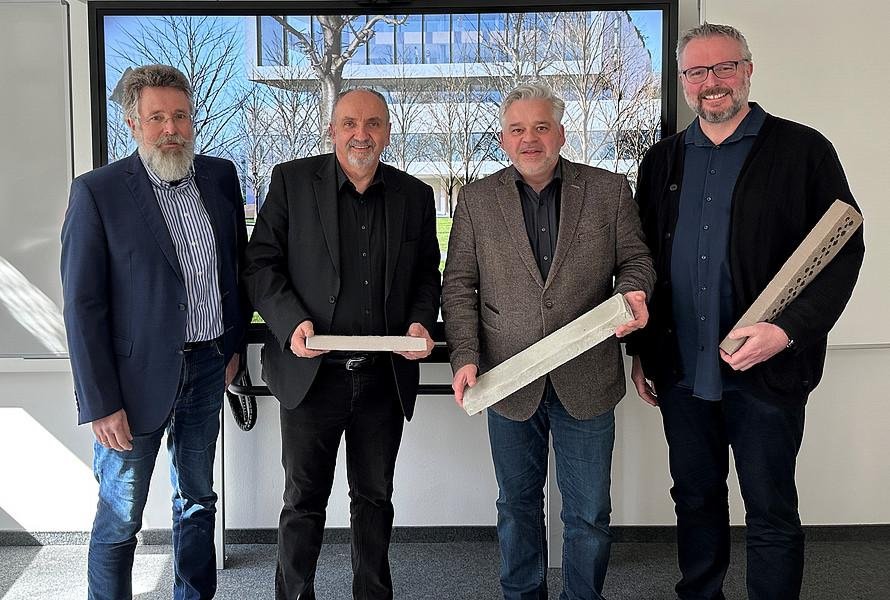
439	571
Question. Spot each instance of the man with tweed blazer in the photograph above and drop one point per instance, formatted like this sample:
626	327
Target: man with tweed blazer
532	248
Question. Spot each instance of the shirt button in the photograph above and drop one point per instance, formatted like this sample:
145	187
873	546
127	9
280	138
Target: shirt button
549	303
673	187
667	235
363	227
703	257
708	199
702	318
713	171
543	229
546	259
181	306
706	227
331	299
364	253
366	282
704	288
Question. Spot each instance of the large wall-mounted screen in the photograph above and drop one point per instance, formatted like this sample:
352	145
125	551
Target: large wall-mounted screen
265	79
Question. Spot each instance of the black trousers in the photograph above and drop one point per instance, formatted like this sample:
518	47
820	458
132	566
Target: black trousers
765	436
364	406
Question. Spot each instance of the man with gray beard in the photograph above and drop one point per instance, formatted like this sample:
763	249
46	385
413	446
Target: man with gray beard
723	205
151	250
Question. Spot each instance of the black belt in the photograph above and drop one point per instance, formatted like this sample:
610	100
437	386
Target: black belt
352	361
190	346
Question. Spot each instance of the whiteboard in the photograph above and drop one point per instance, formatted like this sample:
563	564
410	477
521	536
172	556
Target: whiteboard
35	172
825	65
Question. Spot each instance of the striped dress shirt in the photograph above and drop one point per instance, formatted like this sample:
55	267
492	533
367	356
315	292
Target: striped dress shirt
192	234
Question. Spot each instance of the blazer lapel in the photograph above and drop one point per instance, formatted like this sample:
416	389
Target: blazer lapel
145	199
511	210
571	203
325	179
394	200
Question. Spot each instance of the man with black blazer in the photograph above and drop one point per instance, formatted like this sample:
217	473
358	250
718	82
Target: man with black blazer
343	245
151	248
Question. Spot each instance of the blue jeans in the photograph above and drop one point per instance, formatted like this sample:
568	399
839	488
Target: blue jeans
583	473
192	430
765	436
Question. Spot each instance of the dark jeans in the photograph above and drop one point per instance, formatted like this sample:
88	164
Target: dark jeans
583	452
364	405
123	478
765	437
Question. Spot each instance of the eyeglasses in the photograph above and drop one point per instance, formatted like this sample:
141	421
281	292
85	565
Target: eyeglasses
159	119
722	70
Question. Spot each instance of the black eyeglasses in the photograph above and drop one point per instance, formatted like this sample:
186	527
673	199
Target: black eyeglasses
722	70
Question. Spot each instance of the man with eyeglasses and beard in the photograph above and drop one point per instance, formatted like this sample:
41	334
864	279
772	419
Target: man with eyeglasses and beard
151	250
723	205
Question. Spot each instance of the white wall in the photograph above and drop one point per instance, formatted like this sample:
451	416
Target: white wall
444	474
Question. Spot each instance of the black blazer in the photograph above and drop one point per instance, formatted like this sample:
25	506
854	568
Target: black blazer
293	264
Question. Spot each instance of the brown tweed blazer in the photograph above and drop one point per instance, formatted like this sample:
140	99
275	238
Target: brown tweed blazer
495	302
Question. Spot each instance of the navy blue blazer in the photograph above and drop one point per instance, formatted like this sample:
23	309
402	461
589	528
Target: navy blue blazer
125	299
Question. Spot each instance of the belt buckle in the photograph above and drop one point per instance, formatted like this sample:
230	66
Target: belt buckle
355	363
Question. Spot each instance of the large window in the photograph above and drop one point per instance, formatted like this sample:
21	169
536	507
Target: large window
265	78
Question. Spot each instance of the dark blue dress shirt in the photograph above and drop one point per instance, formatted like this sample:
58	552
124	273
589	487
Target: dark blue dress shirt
700	278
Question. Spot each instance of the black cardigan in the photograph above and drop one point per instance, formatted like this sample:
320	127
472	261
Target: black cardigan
790	178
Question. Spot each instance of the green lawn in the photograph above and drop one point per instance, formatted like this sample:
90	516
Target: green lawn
443	230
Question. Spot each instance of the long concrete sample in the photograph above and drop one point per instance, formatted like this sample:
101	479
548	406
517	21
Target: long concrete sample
366	343
548	353
821	245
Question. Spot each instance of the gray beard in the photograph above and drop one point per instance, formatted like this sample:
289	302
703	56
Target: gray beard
722	116
169	166
739	100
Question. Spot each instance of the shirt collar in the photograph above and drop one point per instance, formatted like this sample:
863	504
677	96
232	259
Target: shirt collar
750	126
168	185
343	180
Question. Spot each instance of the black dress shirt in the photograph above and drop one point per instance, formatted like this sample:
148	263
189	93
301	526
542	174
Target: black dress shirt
360	304
541	214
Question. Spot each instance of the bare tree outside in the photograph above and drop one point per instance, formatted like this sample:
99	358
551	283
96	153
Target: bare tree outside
628	72
463	122
409	98
520	50
257	144
328	56
208	50
580	78
119	139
